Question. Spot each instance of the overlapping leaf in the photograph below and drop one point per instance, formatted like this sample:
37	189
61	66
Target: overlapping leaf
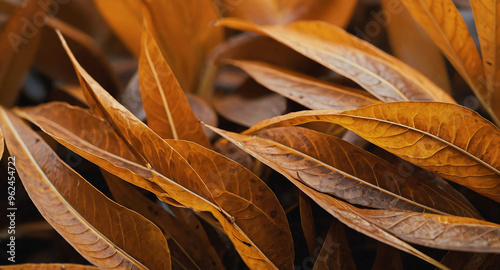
331	165
450	140
167	109
94	225
187	240
438	231
204	181
445	25
382	75
310	92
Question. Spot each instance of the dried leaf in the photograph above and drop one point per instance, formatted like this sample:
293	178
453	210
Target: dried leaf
331	165
444	24
415	49
450	140
346	213
184	42
307	222
189	178
308	91
382	75
54	266
69	204
335	252
432	230
167	109
19	42
486	16
187	240
125	18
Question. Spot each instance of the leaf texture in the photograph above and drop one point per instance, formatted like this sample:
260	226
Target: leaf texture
432	230
205	181
187	240
167	108
69	204
382	75
450	140
344	212
305	90
444	24
487	18
333	166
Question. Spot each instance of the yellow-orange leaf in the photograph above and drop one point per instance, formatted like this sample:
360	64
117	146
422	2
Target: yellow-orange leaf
384	76
94	225
203	180
450	140
445	25
167	109
308	91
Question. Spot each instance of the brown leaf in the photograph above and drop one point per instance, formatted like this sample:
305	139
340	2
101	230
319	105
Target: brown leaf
53	266
331	165
335	253
337	12
184	42
187	240
344	212
444	24
69	204
450	140
125	18
382	75
415	49
19	42
486	16
193	177
167	109
308	91
249	104
307	222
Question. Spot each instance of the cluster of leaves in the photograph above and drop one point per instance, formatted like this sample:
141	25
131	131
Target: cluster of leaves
211	182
